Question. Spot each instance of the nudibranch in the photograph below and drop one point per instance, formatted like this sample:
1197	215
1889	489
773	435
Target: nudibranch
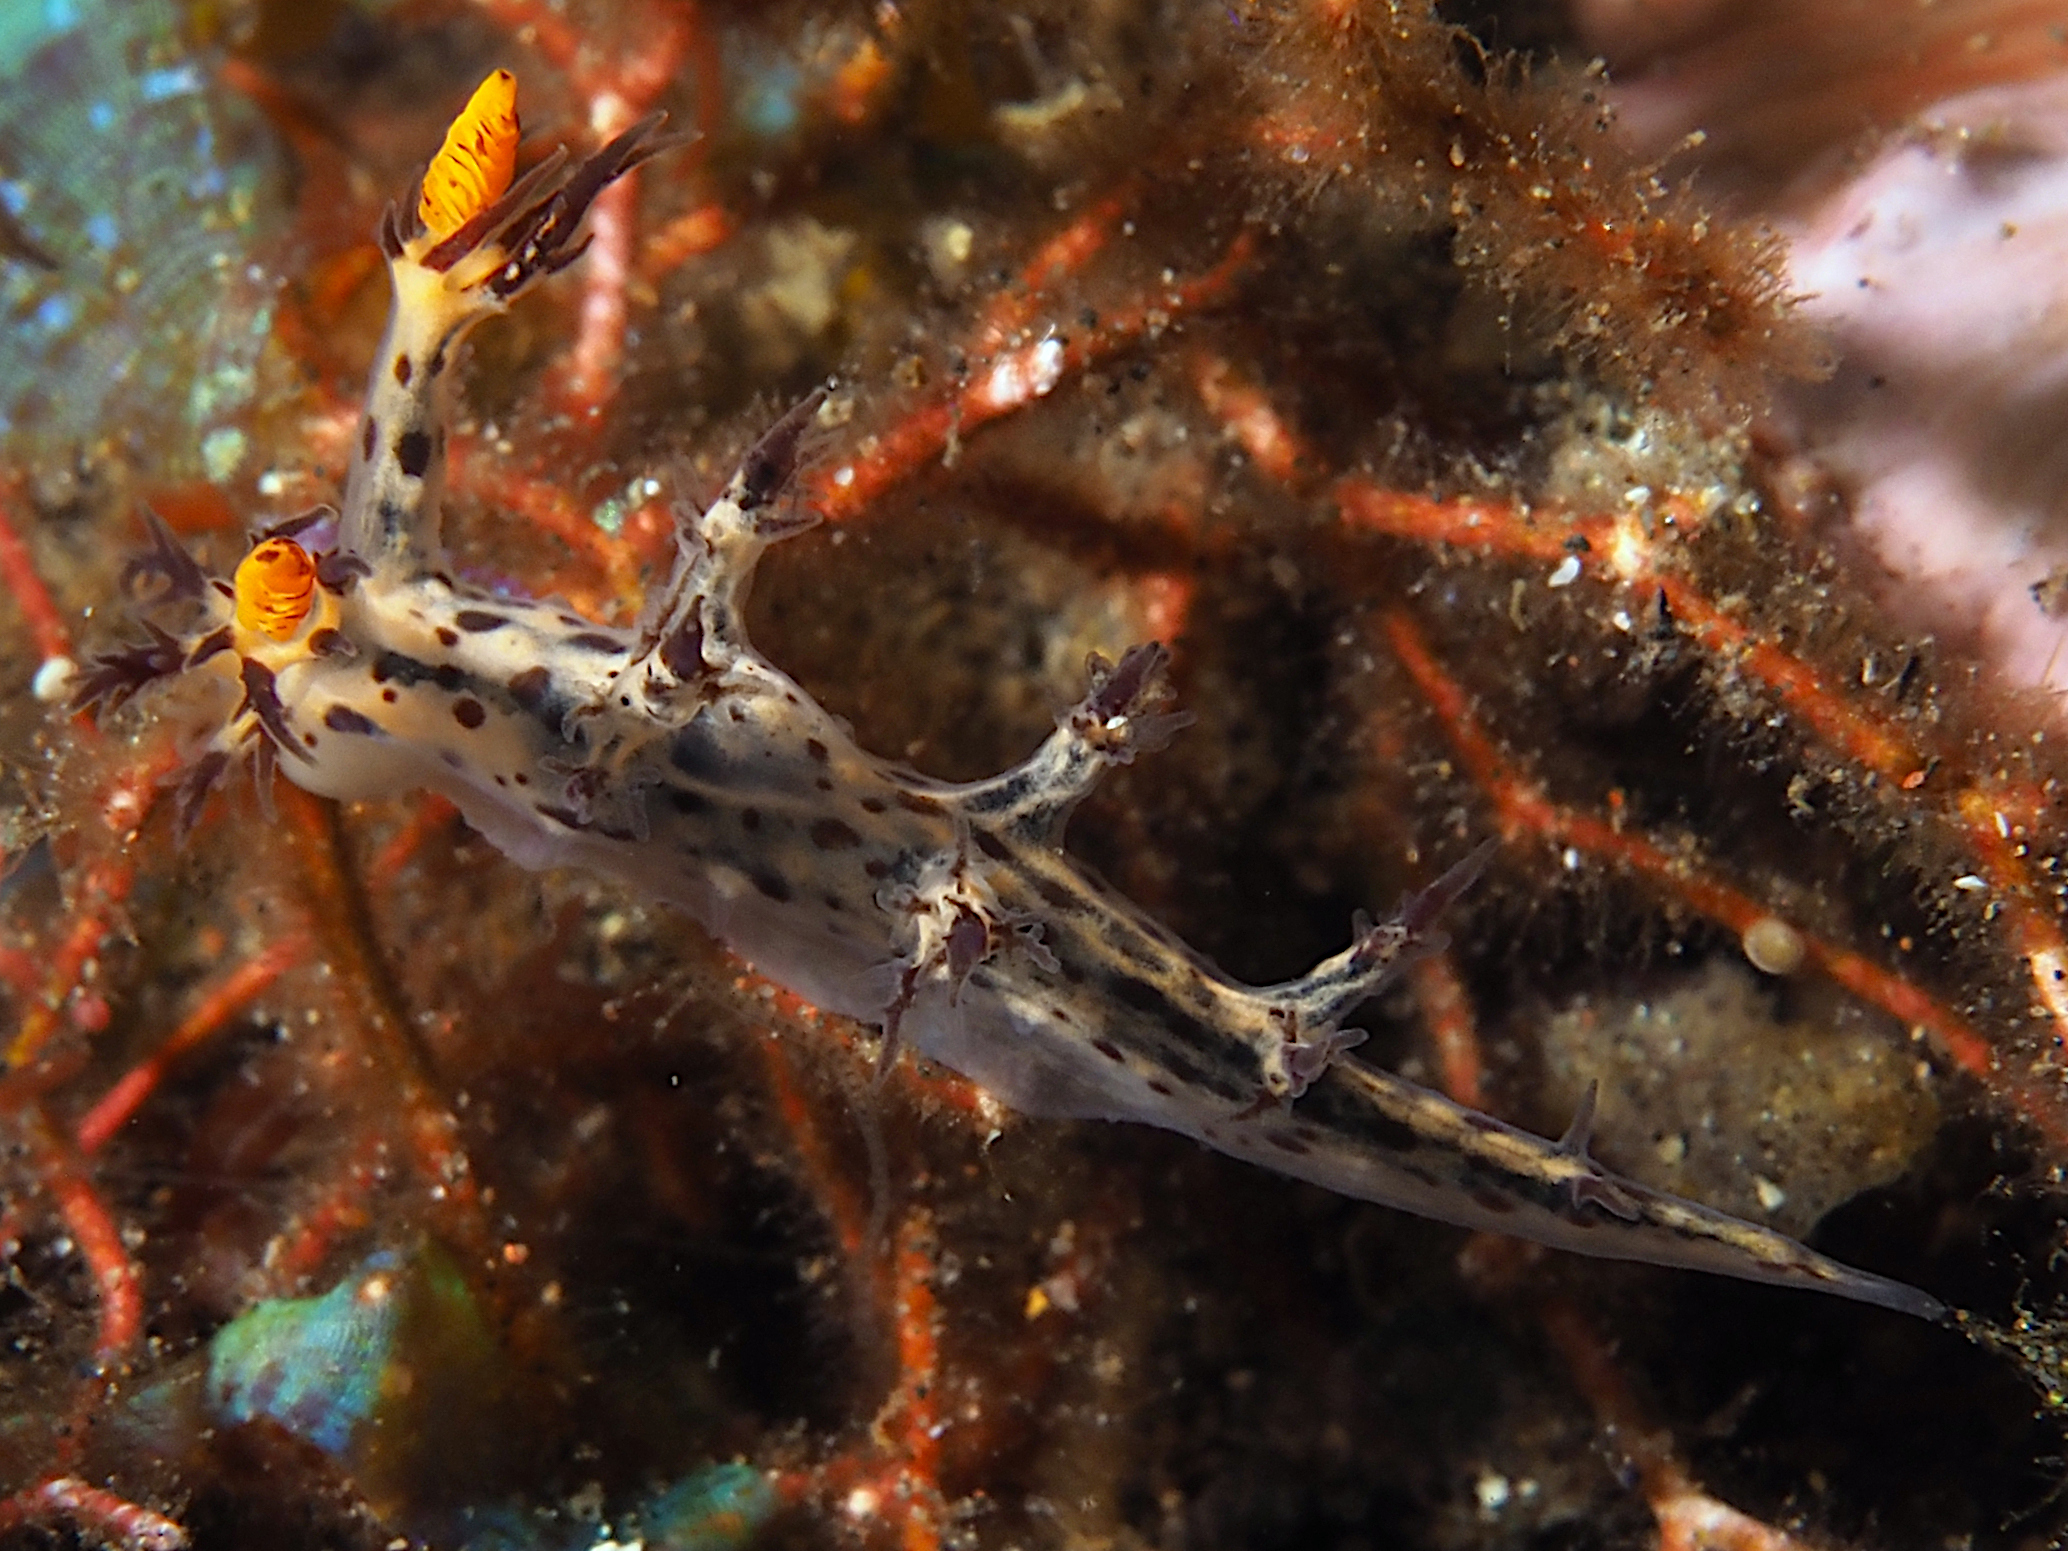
675	758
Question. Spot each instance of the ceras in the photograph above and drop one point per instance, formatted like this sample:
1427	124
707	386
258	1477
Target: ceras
676	758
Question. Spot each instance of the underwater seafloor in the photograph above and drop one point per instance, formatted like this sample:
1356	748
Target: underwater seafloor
362	1190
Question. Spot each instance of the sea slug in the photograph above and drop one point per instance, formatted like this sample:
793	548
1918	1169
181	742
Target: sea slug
675	758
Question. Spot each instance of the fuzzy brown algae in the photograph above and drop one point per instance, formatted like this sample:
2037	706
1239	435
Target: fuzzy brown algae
675	758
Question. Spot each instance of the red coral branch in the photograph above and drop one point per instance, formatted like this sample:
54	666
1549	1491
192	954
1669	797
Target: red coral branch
229	996
96	1513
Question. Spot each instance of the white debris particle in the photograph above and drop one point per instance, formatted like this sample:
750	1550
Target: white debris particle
1773	946
53	680
1970	882
1567	573
1771	1196
1493	1491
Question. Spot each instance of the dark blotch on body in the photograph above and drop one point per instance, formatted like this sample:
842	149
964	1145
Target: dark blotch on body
413	453
469	712
407	670
832	835
774	885
479	621
404	369
698	755
1393	1135
342	718
530	688
1053	893
369	436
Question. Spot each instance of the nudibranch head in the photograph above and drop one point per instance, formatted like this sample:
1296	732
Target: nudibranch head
472	170
275	587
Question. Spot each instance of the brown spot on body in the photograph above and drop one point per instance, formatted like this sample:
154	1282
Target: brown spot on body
404	369
594	641
369	438
774	885
832	835
750	819
469	712
389	696
479	621
447	636
529	688
991	845
816	750
413	453
1492	1202
1108	1049
1285	1143
913	802
873	805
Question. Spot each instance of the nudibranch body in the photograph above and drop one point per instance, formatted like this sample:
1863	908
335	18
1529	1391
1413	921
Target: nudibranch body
677	759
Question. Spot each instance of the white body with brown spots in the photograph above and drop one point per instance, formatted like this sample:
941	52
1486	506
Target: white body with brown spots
677	759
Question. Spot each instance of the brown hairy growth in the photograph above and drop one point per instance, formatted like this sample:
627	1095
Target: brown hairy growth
1592	254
